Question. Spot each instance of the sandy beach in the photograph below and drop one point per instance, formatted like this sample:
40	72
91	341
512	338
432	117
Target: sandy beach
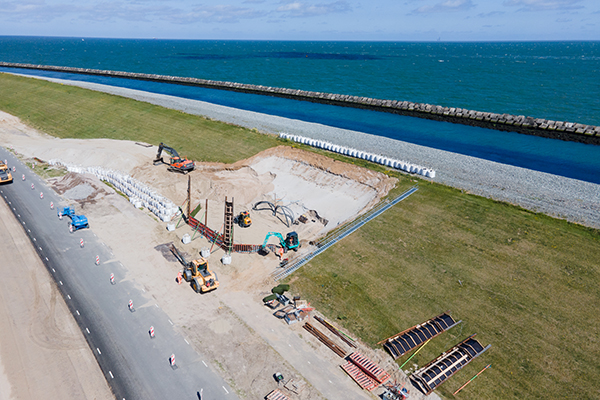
570	199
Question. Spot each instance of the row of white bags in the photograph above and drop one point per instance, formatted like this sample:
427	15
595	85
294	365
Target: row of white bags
379	159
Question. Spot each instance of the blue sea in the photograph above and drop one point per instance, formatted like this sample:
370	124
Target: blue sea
553	80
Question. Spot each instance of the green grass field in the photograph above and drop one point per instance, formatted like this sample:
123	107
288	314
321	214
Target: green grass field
71	112
526	283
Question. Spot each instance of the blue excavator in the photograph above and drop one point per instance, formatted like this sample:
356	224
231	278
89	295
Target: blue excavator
290	242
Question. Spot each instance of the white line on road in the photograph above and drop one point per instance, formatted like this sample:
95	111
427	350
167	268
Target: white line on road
60	282
34	240
19	215
186	341
40	248
226	391
111	375
99	352
87	330
170	322
156	305
69	297
77	311
308	362
204	364
47	259
143	290
330	382
53	270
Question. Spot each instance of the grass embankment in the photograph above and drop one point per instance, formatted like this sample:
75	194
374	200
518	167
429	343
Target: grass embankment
71	112
526	283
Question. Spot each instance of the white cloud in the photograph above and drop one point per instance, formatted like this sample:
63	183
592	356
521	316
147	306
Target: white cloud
445	6
34	10
544	5
220	13
300	9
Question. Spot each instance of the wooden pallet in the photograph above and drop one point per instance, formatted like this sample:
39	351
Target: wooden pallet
277	395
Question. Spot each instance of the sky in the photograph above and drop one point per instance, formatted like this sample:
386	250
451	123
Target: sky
387	20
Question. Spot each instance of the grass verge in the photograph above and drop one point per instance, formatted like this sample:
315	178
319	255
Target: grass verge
526	283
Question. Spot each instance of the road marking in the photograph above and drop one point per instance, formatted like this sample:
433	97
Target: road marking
40	248
170	322
308	362
47	259
156	305
19	215
60	282
87	330
143	290
111	375
34	240
186	341
14	209
77	311
53	270
289	345
330	382
99	352
69	297
226	391
204	364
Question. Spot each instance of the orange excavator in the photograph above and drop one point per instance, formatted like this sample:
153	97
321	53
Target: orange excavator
177	163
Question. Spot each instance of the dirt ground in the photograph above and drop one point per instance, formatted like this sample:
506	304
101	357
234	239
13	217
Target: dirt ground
246	343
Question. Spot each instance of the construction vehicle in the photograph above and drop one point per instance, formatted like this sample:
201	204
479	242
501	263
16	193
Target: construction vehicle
77	221
197	273
244	220
176	164
5	175
290	242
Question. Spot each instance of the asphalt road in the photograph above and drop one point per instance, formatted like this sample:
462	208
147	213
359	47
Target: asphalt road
135	365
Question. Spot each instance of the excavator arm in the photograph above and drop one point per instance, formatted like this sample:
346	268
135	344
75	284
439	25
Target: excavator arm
277	235
172	152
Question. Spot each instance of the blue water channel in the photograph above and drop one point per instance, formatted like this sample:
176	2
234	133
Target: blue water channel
568	159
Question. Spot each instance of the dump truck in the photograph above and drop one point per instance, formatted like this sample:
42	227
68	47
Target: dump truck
197	272
176	163
5	175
